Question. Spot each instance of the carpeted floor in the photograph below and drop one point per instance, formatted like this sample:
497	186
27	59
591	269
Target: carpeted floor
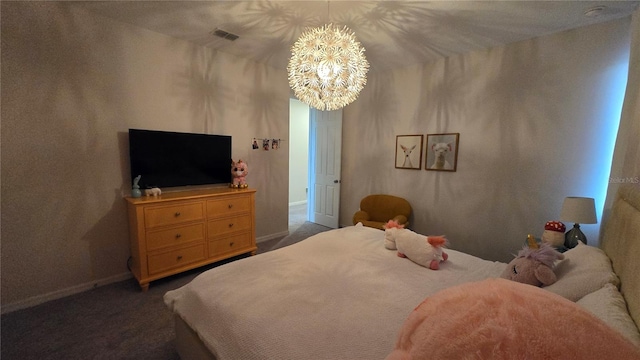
116	321
301	233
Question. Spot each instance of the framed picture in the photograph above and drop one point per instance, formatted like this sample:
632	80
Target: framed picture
409	151
442	152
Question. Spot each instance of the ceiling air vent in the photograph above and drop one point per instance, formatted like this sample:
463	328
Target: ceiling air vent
595	11
225	35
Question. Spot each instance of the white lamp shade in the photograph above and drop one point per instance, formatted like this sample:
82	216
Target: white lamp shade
579	210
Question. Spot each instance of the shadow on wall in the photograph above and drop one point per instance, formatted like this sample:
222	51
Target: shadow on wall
203	91
62	94
374	118
109	244
224	94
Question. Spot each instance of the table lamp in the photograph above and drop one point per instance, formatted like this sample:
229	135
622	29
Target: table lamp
578	210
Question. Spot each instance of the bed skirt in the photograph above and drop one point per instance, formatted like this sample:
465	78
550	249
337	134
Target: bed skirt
188	344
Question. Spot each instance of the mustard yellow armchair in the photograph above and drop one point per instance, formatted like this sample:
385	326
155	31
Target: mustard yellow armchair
376	210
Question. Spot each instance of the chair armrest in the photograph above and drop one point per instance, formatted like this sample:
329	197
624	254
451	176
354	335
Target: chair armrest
402	220
360	216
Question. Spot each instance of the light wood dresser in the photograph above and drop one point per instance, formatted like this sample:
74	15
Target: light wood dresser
179	231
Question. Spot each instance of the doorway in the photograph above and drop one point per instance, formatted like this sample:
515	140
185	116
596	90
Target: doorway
298	163
315	139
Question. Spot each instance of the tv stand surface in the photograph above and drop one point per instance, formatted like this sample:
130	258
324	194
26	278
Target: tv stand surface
183	230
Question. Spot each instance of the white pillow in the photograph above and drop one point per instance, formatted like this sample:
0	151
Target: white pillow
584	270
609	305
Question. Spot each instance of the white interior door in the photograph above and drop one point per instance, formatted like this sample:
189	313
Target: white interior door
325	143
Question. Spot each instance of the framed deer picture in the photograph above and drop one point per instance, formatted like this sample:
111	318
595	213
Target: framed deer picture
442	152
409	151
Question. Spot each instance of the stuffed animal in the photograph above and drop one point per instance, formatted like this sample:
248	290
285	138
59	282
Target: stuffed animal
422	250
390	231
534	265
239	171
554	234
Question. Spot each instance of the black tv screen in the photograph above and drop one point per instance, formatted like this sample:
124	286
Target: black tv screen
172	159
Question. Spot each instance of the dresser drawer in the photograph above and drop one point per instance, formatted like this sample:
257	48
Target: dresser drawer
174	214
176	258
229	244
174	236
229	225
228	206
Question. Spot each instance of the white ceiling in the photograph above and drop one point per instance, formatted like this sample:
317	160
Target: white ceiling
394	33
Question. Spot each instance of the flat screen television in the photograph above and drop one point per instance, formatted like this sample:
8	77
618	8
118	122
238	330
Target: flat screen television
172	159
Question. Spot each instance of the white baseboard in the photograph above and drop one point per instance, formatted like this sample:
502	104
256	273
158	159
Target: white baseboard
58	294
298	203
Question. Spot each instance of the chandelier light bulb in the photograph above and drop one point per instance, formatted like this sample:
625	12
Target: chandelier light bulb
327	69
325	72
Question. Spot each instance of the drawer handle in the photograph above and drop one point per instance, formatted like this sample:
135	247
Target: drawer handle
177	213
231	225
230	206
178	236
231	244
179	257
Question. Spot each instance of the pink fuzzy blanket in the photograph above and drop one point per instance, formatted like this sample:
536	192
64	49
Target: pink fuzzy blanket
502	319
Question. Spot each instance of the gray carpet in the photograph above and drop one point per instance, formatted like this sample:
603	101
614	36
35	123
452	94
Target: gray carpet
116	321
303	232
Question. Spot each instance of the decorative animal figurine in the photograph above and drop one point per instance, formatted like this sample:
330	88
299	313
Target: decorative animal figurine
440	150
135	189
422	250
533	265
554	234
153	192
407	156
239	171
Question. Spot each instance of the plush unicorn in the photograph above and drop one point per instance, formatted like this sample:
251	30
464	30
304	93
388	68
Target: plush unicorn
534	264
422	250
391	229
239	171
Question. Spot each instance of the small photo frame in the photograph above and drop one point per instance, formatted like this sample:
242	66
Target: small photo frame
409	151
442	152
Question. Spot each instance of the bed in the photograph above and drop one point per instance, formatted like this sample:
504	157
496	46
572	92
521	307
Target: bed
341	295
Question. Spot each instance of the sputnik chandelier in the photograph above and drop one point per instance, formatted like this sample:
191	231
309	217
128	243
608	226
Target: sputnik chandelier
327	68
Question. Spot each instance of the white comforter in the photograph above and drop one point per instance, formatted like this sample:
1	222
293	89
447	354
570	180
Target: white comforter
337	295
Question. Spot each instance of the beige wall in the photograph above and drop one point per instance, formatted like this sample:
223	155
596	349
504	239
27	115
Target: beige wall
534	120
625	168
72	86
